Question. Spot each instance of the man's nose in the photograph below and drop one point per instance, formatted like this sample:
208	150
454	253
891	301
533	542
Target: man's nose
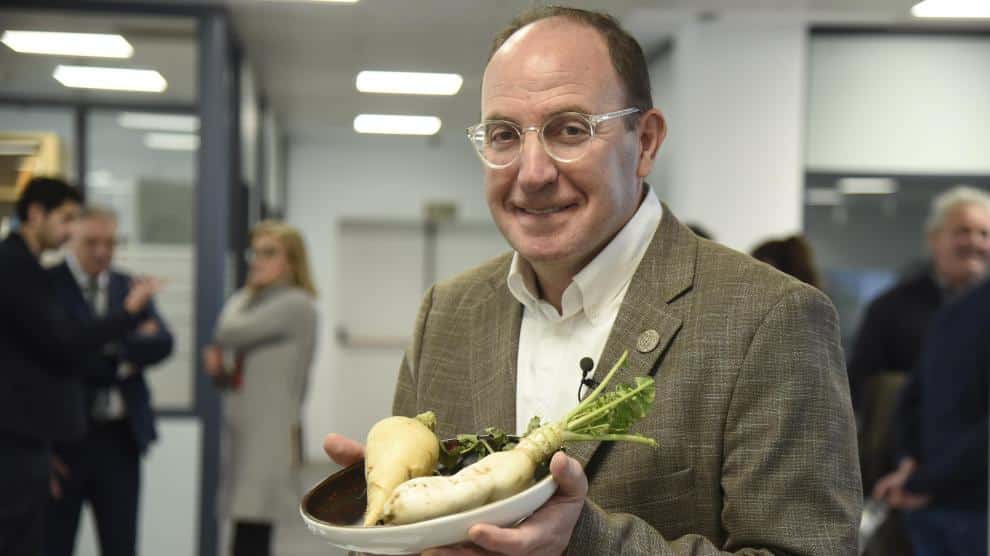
536	167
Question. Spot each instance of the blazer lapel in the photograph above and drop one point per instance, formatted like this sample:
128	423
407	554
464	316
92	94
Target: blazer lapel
494	357
645	325
116	290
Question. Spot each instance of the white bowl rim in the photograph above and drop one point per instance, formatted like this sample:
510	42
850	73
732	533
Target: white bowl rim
398	529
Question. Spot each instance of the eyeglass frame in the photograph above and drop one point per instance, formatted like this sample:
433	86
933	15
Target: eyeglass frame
592	119
268	253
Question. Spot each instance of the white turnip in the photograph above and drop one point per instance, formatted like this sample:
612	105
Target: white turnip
397	449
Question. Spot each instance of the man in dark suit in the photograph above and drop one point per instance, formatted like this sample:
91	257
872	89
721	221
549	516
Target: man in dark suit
105	467
943	437
40	400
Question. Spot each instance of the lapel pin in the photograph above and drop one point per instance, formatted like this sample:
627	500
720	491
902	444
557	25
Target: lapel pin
648	341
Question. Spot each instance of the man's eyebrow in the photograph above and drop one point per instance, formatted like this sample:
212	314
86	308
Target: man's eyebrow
568	108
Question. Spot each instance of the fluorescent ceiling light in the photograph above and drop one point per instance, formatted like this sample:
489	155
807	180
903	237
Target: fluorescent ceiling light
822	197
867	186
162	122
952	8
409	83
115	79
96	45
396	125
172	141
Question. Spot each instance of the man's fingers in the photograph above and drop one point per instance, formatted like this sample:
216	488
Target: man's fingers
343	450
570	477
502	541
56	489
60	467
880	489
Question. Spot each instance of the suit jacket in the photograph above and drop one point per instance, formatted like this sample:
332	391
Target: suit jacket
41	401
942	417
137	349
757	440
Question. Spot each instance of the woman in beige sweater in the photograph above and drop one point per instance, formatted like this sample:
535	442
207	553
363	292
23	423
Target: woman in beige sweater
267	333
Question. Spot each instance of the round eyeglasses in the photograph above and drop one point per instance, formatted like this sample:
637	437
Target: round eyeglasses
565	137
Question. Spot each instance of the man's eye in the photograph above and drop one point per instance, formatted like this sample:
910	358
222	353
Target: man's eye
502	136
573	130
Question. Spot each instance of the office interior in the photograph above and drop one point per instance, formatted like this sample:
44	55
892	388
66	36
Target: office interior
838	119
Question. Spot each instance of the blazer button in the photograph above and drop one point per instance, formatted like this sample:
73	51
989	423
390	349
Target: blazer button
648	341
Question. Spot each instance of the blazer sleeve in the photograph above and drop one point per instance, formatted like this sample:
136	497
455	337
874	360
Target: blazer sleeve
242	326
149	349
39	324
404	402
790	473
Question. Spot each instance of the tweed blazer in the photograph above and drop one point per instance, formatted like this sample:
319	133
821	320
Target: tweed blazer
757	441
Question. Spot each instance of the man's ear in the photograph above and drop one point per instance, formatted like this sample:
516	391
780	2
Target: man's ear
35	215
652	131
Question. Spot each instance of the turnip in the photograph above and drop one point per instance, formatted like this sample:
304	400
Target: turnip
397	449
502	474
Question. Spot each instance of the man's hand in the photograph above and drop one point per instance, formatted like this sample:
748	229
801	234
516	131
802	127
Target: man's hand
213	360
546	533
148	328
890	488
140	294
342	450
59	469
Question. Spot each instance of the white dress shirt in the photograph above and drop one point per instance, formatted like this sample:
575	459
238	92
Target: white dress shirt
113	407
552	344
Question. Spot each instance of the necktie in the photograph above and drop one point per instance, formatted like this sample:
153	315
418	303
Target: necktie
91	293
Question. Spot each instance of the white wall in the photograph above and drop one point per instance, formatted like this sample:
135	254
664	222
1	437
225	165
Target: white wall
736	120
352	176
899	104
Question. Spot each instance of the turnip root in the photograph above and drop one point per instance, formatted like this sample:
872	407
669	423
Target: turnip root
502	474
397	449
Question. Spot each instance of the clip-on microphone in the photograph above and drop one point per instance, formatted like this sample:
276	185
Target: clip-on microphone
587	367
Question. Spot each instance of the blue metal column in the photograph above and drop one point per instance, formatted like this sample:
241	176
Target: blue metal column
217	180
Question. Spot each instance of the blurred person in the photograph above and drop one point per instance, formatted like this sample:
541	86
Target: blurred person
41	399
894	326
893	329
792	255
104	468
269	330
753	414
941	479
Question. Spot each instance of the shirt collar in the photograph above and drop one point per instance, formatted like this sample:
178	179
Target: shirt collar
82	278
604	278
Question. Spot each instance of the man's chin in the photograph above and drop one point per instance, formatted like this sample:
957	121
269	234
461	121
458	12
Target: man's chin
545	256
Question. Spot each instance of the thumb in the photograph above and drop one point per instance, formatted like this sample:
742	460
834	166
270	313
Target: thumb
570	477
343	450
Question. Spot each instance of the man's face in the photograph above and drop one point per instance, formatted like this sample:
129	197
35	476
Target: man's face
93	242
55	224
559	214
961	247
